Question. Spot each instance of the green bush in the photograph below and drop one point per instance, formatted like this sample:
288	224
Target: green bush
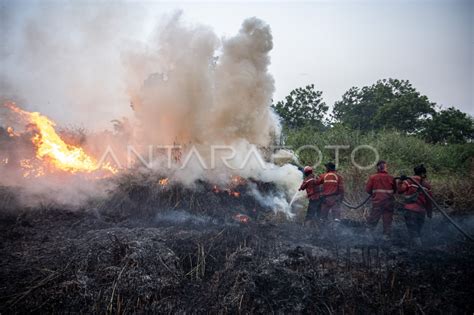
453	163
403	152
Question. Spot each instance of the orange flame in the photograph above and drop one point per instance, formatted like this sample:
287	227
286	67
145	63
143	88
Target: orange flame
51	148
238	180
229	191
164	181
11	132
242	218
234	194
30	169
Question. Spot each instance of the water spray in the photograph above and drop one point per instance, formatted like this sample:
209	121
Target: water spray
294	198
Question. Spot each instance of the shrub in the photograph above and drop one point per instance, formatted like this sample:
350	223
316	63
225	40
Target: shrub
450	167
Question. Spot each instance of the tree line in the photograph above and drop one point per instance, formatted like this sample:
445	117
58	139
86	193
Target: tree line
388	104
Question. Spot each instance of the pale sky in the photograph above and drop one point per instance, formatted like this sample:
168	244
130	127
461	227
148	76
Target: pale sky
340	44
333	44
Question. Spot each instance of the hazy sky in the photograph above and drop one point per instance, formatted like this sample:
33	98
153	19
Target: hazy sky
333	44
339	44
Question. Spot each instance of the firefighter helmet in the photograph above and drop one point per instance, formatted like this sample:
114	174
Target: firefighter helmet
330	166
308	170
420	170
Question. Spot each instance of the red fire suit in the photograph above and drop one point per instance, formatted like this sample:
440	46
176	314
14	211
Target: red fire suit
417	205
312	189
382	187
332	193
313	193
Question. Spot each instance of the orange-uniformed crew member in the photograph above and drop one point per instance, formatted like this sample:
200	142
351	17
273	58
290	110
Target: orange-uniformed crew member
382	187
313	193
416	204
332	192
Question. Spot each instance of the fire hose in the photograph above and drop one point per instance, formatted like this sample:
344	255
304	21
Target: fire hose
469	237
348	205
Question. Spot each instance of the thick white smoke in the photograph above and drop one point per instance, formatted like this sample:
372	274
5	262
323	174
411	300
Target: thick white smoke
184	89
191	88
186	86
63	58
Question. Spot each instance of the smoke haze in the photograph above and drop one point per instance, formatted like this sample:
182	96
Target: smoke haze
182	85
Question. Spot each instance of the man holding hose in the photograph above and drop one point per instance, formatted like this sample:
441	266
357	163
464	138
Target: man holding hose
416	204
381	186
332	192
312	191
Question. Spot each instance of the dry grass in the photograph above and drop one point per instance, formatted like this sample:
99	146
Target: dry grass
455	193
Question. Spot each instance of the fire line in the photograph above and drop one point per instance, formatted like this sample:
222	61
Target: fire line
50	148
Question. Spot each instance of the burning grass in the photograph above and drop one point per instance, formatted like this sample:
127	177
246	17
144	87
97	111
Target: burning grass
153	245
149	194
51	152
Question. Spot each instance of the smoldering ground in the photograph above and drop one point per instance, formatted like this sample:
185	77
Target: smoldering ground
155	254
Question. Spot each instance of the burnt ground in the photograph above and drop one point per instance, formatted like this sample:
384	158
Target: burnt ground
55	260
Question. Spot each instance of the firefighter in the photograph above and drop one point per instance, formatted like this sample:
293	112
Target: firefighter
332	192
416	204
382	187
312	191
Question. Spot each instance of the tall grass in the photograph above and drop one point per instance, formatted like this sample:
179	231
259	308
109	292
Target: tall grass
450	167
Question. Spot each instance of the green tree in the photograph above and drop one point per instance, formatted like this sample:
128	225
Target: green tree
391	104
303	107
449	126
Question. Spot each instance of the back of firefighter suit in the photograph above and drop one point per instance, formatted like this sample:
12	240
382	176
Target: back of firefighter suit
332	192
381	186
416	205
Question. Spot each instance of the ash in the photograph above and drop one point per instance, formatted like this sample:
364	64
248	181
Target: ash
177	250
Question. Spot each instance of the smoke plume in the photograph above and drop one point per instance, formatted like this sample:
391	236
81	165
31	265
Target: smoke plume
203	91
185	85
185	89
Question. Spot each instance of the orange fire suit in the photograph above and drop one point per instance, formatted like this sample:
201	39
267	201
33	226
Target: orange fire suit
332	193
382	187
